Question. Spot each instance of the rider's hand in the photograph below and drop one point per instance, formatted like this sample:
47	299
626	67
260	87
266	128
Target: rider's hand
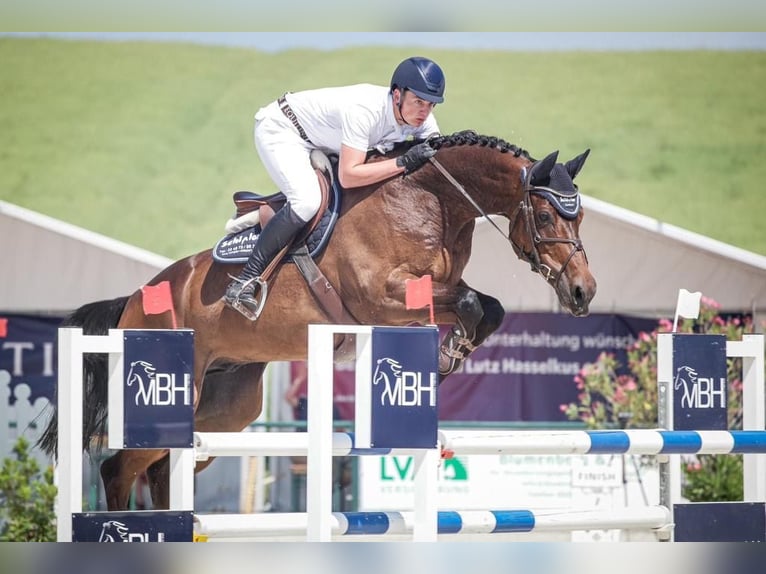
414	157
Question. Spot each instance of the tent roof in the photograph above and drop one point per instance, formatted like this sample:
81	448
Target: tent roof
52	266
639	263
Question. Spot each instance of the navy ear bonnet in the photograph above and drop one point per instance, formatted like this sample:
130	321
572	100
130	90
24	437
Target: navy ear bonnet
561	192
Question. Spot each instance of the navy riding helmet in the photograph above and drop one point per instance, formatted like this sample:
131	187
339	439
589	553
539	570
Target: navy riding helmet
421	76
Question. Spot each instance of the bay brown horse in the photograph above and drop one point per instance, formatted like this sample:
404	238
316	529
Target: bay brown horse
402	228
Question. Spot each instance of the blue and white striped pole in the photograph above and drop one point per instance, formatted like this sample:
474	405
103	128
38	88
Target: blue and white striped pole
216	526
465	442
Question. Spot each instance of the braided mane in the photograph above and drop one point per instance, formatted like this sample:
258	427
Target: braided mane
470	137
462	138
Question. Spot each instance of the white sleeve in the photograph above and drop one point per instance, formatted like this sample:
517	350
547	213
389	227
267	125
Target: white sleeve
357	124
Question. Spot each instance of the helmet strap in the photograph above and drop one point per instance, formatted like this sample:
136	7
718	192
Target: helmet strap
399	105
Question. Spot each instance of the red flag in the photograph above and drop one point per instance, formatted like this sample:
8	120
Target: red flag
419	293
158	299
3	327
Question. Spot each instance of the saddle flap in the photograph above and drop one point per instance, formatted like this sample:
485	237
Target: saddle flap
243	232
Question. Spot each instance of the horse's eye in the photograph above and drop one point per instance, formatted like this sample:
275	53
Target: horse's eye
544	217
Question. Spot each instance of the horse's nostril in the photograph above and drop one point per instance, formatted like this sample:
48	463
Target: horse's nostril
578	296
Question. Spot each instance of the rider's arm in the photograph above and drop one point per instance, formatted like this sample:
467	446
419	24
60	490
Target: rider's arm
354	172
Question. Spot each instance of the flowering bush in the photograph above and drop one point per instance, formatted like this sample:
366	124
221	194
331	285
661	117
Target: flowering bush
610	396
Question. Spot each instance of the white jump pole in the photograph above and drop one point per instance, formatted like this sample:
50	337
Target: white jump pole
750	348
320	423
71	347
320	432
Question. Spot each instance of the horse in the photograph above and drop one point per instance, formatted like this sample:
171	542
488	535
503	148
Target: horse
408	226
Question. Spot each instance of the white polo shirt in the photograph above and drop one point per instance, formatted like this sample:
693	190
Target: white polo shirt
359	116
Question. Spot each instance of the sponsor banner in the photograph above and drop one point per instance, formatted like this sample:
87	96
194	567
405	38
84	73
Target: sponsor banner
525	370
404	387
158	389
700	389
480	482
133	526
29	354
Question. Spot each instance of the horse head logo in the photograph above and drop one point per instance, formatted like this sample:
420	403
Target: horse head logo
139	371
387	371
113	531
685	376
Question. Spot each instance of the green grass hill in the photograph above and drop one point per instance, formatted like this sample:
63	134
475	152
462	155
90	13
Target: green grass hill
146	142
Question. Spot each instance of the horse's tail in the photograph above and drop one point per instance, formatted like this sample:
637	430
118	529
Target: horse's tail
95	319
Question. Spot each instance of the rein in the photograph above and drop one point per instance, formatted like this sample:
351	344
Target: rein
470	199
525	208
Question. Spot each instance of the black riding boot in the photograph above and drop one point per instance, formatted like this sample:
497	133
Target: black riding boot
280	231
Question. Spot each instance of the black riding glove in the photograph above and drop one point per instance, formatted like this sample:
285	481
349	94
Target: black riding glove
414	157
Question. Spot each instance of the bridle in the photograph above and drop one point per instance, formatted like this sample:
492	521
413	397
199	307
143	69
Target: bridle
525	213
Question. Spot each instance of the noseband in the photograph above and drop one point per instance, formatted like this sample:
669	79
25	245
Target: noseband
526	213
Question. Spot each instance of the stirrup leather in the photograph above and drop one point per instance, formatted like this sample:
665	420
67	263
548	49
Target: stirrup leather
244	307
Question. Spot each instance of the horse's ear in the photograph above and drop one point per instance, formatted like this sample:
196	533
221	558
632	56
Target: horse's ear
574	166
541	171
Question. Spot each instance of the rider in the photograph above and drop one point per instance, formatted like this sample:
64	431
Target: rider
348	121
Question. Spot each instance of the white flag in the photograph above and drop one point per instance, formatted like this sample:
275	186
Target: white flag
688	306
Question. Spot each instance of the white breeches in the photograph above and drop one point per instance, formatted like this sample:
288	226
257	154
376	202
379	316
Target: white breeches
286	159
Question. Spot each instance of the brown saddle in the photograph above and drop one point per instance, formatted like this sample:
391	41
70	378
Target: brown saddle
324	293
267	205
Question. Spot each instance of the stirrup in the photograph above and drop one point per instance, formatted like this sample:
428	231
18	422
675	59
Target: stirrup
250	312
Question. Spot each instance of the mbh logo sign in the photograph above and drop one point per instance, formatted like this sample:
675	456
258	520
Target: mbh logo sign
699	382
141	526
405	381
116	531
404	388
158	389
699	392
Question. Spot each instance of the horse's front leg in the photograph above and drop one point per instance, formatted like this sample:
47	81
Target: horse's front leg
477	317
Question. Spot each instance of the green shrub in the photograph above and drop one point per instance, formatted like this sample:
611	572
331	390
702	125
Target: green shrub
26	498
713	478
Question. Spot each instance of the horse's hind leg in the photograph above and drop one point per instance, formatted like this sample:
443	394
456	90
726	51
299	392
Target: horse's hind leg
119	472
231	399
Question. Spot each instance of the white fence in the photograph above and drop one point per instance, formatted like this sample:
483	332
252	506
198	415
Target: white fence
320	444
